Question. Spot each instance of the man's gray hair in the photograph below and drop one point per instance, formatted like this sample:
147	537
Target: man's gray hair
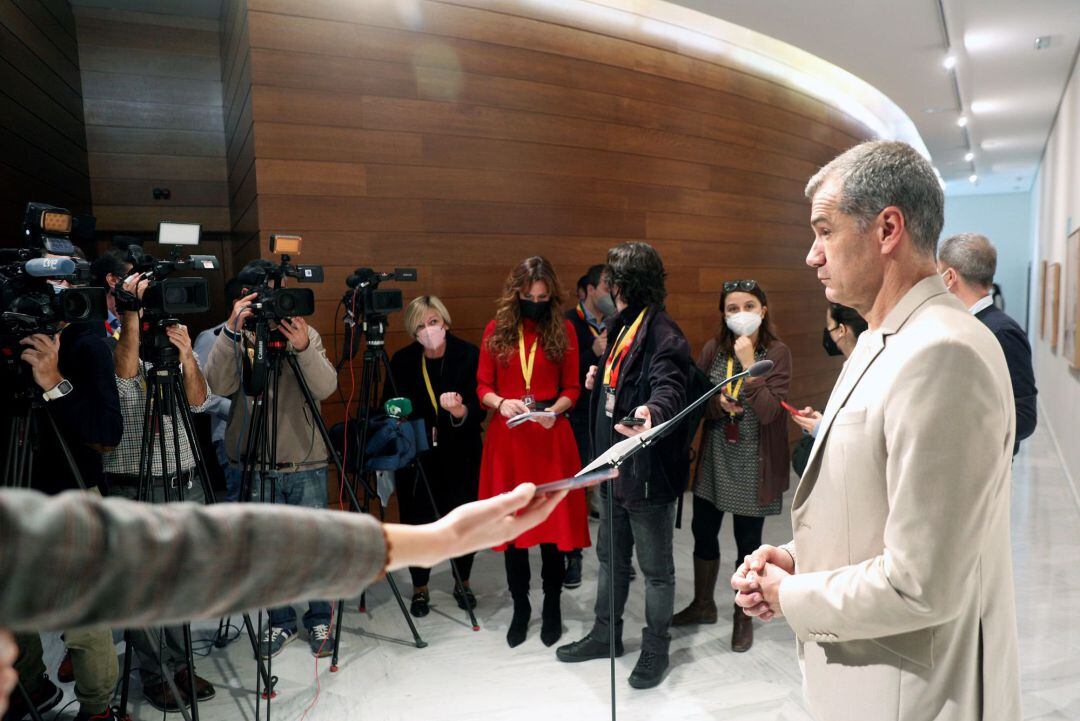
971	255
880	173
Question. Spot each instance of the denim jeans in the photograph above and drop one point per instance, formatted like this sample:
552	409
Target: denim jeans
652	528
295	488
233	473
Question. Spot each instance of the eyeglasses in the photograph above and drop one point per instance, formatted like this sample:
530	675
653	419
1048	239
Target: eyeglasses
731	286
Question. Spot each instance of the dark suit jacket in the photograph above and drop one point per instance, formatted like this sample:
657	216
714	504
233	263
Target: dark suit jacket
1017	350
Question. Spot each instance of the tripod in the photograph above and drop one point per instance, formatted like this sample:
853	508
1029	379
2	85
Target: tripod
375	361
270	358
165	407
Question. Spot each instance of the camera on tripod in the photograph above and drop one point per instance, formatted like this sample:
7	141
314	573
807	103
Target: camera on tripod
166	297
29	303
364	297
273	302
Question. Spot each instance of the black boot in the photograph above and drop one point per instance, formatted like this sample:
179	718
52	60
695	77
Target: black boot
551	630
649	670
519	624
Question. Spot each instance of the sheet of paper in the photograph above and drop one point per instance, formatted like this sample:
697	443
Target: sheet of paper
621	448
530	416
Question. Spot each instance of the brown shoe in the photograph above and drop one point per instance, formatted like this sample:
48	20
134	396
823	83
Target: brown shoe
742	632
703	608
160	696
204	690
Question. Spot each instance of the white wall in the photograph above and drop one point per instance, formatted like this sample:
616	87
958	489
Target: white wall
1056	203
1006	220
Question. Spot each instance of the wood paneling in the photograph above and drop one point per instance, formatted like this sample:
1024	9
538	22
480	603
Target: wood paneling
465	135
42	136
154	119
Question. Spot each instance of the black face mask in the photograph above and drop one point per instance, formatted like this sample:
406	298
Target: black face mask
534	310
829	344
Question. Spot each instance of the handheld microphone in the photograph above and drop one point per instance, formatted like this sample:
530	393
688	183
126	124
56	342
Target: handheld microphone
761	368
50	267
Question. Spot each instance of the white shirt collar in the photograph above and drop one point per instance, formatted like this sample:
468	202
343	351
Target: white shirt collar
982	304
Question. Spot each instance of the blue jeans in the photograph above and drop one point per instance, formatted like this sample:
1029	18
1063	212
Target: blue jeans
297	488
652	528
233	472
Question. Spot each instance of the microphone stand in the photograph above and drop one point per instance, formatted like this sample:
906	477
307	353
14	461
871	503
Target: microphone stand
761	368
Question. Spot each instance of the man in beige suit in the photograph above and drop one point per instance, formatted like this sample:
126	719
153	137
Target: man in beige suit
898	582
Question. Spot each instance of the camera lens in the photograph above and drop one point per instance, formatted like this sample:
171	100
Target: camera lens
286	303
76	305
176	294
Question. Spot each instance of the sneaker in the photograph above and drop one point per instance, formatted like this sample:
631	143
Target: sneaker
649	670
45	697
321	640
572	579
587	649
106	715
274	639
421	604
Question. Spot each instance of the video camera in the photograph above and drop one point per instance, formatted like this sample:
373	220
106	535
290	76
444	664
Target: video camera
364	297
273	302
166	297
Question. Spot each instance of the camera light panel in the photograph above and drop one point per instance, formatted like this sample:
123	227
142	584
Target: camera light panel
170	233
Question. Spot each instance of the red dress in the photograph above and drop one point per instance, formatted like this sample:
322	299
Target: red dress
530	452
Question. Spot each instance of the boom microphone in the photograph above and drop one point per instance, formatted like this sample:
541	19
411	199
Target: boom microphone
50	267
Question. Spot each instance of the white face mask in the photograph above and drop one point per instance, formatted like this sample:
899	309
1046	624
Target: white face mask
744	322
432	336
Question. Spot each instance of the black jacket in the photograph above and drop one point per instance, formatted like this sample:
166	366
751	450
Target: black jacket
654	373
89	417
1017	350
456	460
586	358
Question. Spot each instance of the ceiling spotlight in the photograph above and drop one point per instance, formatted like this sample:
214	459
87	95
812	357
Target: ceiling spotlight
969	156
949	62
1042	42
962	121
973	178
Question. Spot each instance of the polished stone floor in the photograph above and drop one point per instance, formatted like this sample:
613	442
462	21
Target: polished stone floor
473	675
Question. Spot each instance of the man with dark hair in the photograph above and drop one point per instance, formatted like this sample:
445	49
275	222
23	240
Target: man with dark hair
643	373
967	263
588	321
300	476
109	271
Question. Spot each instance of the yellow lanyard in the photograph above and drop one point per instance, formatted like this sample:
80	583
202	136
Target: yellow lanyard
738	383
581	314
427	382
527	366
622	344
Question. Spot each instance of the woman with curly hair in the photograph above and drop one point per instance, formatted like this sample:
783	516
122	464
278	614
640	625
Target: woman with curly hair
529	362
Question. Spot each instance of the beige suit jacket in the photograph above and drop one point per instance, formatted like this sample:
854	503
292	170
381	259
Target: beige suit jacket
903	598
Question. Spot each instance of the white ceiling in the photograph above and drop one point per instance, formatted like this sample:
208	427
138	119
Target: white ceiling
1009	91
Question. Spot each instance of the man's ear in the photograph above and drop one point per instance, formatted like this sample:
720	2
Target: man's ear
890	227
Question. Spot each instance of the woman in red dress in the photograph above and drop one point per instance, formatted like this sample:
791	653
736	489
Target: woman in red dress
529	361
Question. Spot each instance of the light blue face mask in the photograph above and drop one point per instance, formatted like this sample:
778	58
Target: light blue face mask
57	289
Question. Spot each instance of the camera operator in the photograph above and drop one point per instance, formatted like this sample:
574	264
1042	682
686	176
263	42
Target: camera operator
109	271
74	371
122	469
300	476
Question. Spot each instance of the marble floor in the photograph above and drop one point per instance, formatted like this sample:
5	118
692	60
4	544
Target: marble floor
466	675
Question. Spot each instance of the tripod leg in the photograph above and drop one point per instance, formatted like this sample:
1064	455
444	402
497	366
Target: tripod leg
264	677
125	685
65	450
191	672
337	637
31	708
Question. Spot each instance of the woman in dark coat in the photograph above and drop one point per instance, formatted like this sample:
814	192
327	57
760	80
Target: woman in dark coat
744	460
437	372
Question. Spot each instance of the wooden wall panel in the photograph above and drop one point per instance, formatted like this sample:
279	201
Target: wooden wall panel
473	133
154	119
42	135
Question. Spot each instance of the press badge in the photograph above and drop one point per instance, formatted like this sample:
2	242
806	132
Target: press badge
609	401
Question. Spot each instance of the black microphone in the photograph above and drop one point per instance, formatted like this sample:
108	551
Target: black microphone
761	368
50	267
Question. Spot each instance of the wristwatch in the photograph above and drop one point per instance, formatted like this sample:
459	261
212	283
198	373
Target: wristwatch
59	390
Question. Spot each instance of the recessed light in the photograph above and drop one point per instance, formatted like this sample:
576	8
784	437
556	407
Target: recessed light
962	121
949	62
973	178
969	157
1042	42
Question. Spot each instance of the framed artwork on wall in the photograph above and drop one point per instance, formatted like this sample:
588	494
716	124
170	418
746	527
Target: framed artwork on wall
1055	304
1072	298
1042	300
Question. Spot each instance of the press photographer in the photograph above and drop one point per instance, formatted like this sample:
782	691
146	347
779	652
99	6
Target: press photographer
60	399
267	320
123	466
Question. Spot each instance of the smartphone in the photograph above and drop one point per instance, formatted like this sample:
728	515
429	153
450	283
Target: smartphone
632	421
791	409
584	481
